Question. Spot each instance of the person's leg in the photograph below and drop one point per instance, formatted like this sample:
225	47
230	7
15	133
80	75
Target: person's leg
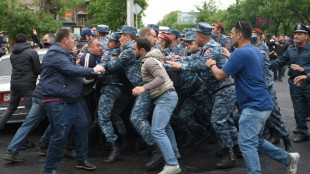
275	73
165	105
250	125
32	121
280	73
140	112
15	95
61	116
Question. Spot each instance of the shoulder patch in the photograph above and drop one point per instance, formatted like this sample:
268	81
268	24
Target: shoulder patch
207	52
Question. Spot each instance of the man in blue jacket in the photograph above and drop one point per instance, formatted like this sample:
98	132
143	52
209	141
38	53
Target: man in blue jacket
61	89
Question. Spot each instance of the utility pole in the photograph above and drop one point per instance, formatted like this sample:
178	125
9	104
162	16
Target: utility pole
130	15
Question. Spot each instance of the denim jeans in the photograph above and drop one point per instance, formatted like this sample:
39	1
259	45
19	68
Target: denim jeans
63	117
251	141
36	114
161	129
277	72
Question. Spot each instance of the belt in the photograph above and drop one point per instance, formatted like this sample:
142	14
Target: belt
223	87
170	90
63	101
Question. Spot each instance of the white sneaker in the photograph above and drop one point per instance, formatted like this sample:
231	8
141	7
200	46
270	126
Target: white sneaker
171	170
292	168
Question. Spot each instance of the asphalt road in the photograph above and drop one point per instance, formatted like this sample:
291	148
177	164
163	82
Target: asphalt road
200	159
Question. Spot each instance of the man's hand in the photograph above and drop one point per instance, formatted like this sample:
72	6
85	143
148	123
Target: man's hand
113	58
174	64
78	61
297	67
273	54
138	90
210	62
34	31
226	53
177	57
98	69
300	80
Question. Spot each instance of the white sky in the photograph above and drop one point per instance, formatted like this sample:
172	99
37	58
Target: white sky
157	9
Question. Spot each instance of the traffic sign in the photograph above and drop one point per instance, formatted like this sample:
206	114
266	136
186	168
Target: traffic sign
186	18
136	9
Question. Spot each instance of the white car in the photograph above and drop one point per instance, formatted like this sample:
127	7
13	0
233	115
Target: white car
5	79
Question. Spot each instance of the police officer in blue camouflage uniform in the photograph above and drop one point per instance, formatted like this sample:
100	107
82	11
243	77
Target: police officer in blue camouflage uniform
225	41
297	58
143	105
175	48
164	41
274	122
110	94
222	92
103	31
189	83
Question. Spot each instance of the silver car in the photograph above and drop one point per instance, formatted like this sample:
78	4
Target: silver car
5	78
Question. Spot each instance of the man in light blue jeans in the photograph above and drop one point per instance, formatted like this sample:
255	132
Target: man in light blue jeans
254	99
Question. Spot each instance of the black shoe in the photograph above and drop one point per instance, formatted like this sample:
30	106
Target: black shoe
115	153
85	165
238	152
156	160
144	152
53	172
296	131
275	79
70	153
27	145
301	138
287	144
220	153
229	159
280	80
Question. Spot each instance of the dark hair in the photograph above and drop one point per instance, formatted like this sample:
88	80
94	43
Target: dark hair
167	44
21	38
93	25
61	34
143	42
245	28
145	31
91	41
51	36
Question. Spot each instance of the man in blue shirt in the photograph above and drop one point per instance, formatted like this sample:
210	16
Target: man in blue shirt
246	65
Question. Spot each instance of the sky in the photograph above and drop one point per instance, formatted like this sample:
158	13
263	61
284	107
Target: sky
157	9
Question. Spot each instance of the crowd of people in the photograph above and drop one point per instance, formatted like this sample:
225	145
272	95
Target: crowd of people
181	90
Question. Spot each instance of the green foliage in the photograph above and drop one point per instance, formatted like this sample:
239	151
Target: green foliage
112	12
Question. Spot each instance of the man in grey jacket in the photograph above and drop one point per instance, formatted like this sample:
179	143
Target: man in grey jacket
160	87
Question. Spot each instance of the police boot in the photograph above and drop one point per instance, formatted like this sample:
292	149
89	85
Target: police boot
115	153
156	160
287	144
124	142
238	152
229	159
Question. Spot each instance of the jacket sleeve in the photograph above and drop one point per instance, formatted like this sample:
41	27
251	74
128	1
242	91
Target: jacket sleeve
280	61
36	62
122	61
36	39
63	64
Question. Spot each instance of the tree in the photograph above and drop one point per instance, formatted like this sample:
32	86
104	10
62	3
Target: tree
112	12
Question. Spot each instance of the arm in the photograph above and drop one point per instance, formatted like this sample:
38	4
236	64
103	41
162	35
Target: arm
280	61
36	65
218	73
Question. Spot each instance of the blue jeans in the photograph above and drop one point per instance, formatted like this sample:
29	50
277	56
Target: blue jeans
251	141
63	117
277	72
32	121
161	129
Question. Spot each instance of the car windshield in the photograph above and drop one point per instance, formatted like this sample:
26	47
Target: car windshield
5	67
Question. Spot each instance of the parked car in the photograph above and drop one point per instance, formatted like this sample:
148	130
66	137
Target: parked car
5	78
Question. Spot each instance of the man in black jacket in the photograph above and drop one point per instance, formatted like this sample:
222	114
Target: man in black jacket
25	70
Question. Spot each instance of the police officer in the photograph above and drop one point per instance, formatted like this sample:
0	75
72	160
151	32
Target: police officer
222	92
163	41
274	122
103	31
218	29
110	105
87	34
154	27
175	48
143	104
297	57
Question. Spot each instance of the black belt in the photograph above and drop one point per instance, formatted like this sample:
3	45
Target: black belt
67	102
223	87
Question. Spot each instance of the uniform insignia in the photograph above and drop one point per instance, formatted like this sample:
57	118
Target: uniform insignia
171	53
183	53
103	57
207	52
120	55
299	27
227	45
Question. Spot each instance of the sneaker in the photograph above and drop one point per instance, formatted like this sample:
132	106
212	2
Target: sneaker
15	158
292	168
171	170
85	165
280	80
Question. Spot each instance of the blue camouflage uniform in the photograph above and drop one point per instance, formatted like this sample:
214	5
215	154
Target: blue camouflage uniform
143	105
110	94
274	121
225	42
222	91
104	40
299	94
176	49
